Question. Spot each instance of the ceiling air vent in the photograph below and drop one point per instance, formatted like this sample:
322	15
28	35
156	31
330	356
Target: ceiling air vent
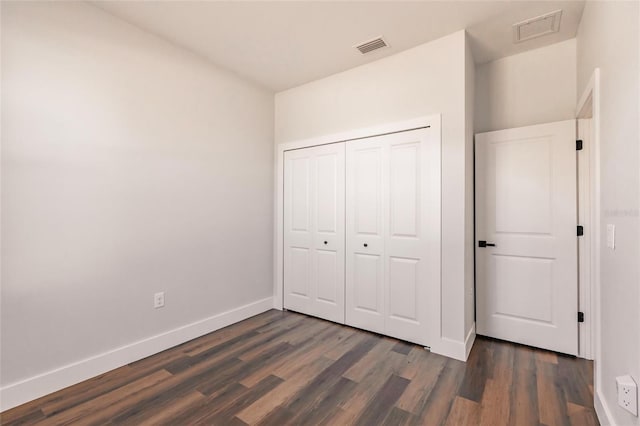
371	45
537	27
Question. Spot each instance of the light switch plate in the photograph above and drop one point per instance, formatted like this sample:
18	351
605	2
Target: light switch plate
611	236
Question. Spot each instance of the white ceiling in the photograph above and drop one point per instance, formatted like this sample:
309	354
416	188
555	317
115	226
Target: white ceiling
284	44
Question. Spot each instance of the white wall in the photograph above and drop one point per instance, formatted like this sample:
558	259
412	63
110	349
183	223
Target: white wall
428	79
534	87
129	166
608	38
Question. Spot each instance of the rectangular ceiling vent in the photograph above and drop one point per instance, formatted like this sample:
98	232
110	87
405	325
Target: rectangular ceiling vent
371	45
537	27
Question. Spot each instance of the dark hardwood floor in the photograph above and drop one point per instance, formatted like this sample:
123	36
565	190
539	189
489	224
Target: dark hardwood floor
285	368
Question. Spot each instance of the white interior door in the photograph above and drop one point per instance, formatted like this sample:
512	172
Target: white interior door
366	234
527	286
393	233
314	231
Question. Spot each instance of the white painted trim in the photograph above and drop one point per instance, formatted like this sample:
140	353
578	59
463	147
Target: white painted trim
602	411
450	348
455	349
43	384
590	100
585	243
278	253
592	85
365	132
469	341
434	123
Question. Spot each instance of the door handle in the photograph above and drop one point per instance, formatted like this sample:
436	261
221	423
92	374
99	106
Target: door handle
483	243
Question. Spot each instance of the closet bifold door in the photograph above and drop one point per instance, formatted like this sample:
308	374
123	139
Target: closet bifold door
314	233
393	233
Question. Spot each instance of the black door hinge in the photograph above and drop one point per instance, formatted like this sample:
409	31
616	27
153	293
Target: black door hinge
580	316
580	231
579	145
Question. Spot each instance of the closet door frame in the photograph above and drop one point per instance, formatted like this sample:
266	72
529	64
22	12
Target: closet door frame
433	122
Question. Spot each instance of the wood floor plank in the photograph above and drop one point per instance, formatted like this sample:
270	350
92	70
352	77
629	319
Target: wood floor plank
524	399
496	398
280	416
281	394
575	384
243	369
464	412
25	414
552	406
477	371
418	360
174	408
89	389
286	320
223	415
174	387
315	389
304	333
371	360
282	368
388	363
347	339
110	403
435	409
403	347
324	344
219	336
197	414
546	356
398	417
423	373
383	401
302	353
581	416
326	404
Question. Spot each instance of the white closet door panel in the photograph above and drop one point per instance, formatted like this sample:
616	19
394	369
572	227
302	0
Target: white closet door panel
314	231
365	227
393	233
328	225
300	265
298	249
327	271
404	294
412	240
404	190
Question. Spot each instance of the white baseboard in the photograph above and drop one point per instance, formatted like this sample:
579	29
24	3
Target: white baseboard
454	348
43	384
602	410
469	341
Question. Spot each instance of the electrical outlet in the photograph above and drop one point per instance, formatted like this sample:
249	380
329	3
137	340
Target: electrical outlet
158	300
627	394
611	236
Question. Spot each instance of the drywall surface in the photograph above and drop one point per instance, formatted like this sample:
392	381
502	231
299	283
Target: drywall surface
428	79
534	87
608	39
129	167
